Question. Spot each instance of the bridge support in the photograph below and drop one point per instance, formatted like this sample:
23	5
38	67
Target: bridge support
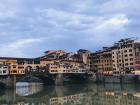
9	81
59	79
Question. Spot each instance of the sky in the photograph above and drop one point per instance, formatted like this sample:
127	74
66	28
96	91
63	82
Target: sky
28	28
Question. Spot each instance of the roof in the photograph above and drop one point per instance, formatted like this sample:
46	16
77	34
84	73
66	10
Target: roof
18	58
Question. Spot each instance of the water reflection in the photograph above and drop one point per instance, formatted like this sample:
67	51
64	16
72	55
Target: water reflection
85	94
27	89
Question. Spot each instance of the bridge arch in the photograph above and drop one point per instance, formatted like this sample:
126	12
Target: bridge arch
28	69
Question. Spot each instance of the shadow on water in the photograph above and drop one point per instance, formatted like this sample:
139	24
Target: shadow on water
83	94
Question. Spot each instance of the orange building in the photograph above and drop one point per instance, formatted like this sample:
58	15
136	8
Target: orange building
12	65
101	60
18	66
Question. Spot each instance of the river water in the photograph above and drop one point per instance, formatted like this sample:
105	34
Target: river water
73	94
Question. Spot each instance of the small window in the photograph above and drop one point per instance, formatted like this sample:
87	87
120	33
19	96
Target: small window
126	64
126	59
131	59
4	71
125	55
125	50
139	48
130	50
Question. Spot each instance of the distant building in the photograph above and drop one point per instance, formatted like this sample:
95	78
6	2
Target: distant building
84	55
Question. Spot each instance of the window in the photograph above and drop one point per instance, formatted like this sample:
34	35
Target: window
131	63
126	59
131	59
4	71
20	67
126	64
125	55
14	71
5	67
14	66
125	50
139	48
130	54
137	54
130	50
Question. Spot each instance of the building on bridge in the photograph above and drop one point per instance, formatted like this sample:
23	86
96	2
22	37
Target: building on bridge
61	67
75	59
19	66
3	69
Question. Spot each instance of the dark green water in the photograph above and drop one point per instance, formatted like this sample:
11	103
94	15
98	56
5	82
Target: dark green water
84	94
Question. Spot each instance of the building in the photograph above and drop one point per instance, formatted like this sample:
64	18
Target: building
54	54
59	61
62	67
3	69
12	65
101	60
123	56
137	55
84	54
18	66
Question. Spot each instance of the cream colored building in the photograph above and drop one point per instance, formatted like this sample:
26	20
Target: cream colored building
61	67
123	55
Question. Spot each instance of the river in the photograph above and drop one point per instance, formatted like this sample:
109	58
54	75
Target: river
73	94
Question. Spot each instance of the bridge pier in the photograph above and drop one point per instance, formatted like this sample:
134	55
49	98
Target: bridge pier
9	81
59	79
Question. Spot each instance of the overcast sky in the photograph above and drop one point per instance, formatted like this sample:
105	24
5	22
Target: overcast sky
30	27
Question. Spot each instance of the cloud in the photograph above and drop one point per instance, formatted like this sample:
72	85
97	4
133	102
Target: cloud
70	25
17	47
116	21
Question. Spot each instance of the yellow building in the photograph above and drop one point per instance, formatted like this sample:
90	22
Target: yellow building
12	65
18	66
